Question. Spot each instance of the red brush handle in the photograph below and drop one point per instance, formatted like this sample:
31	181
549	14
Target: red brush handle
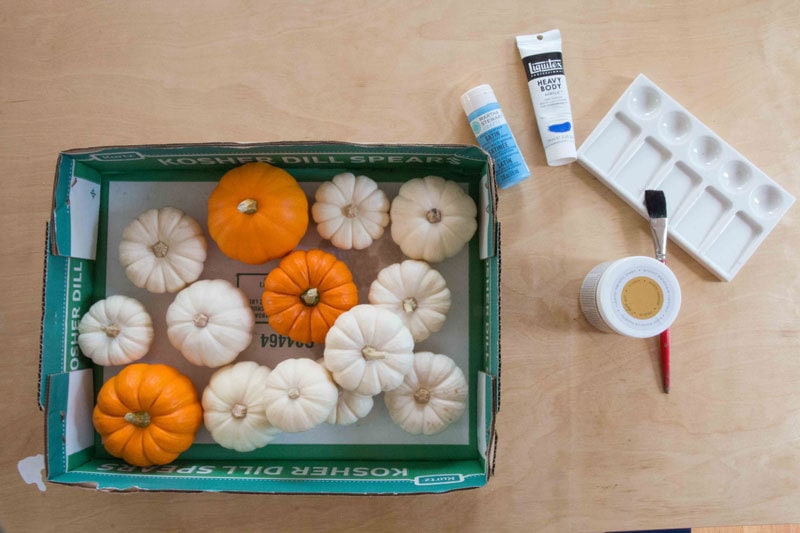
664	342
665	359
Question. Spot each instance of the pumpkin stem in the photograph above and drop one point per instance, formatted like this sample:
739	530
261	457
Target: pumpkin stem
160	249
293	393
112	330
310	298
371	354
350	211
409	304
140	419
434	215
422	396
248	206
200	320
239	411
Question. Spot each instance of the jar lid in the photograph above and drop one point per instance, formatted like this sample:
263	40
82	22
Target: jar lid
638	297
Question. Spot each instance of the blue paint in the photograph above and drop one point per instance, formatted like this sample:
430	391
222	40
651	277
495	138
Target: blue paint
560	128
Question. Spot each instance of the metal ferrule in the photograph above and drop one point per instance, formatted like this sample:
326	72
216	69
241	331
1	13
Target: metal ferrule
659	228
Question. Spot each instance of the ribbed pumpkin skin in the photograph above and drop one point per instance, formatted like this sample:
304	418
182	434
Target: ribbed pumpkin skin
115	331
298	272
432	218
210	322
233	407
415	292
351	211
278	224
163	250
299	395
170	400
432	396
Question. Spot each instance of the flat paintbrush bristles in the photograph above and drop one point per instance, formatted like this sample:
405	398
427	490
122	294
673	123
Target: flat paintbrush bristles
656	204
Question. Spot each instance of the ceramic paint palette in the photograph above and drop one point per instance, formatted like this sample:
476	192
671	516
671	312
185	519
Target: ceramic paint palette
720	205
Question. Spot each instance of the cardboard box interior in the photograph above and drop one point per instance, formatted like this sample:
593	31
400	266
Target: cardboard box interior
99	191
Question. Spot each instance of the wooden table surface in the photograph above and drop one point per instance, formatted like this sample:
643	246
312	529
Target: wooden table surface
587	440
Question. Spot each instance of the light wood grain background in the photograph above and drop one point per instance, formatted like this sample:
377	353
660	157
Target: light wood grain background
785	528
587	440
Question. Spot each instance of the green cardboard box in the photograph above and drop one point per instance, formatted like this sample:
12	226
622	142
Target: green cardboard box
99	191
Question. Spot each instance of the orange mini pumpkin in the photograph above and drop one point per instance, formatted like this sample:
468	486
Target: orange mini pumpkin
257	212
305	294
147	414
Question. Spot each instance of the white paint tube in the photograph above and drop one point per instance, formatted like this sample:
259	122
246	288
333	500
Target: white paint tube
544	66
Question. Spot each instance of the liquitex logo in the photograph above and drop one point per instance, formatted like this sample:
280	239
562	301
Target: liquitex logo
542	65
546	68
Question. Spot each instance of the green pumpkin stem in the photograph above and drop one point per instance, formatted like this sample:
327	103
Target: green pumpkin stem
140	419
310	297
248	206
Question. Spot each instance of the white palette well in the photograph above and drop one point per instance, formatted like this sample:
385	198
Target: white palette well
720	206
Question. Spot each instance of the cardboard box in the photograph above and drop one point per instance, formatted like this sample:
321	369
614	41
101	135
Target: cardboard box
99	191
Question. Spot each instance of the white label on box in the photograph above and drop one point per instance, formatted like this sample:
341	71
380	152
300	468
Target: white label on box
79	430
84	209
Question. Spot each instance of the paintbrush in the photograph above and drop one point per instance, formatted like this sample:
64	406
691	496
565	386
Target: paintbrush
656	204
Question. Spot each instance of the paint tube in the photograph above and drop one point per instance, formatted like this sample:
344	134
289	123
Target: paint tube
544	66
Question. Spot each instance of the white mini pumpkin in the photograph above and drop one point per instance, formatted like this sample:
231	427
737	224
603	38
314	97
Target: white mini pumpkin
351	211
416	293
432	218
369	350
350	407
432	396
163	250
210	322
299	395
233	407
115	331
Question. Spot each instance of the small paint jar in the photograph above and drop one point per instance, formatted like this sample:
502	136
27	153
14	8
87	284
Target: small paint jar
634	296
493	134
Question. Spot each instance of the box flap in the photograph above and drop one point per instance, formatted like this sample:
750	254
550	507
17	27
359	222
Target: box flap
76	209
489	226
280	476
66	295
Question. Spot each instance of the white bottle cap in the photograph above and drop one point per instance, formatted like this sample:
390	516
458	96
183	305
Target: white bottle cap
635	296
477	97
561	153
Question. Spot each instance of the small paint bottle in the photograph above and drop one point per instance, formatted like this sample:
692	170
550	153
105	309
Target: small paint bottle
493	134
634	296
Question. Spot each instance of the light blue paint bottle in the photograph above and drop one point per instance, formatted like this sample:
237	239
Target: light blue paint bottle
491	129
